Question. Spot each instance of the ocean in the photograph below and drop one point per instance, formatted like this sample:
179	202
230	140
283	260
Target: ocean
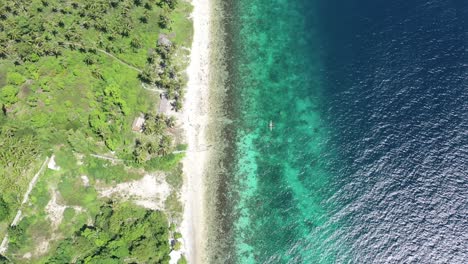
348	140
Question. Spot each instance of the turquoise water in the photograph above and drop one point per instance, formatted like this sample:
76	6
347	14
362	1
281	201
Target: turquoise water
280	182
367	160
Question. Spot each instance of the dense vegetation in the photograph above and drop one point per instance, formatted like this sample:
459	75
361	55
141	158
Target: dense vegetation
18	151
4	209
120	233
74	74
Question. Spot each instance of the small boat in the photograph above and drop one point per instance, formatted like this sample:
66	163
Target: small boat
271	125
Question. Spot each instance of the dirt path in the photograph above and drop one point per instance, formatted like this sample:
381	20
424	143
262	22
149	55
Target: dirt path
32	183
110	55
105	157
144	86
119	60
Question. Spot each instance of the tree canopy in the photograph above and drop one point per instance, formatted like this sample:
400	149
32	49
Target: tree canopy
120	232
71	74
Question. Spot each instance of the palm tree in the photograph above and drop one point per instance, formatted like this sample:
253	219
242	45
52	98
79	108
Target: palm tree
148	75
151	148
153	58
125	29
14	35
97	73
164	22
137	2
135	43
170	121
177	105
3	51
139	154
165	145
144	19
89	59
55	50
170	3
3	15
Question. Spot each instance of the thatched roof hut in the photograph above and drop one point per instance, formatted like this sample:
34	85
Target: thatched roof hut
163	40
138	123
164	105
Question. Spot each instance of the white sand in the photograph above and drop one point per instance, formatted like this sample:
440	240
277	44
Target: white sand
195	117
52	165
149	192
55	210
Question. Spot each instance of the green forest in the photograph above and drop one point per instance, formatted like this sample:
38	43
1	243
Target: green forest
74	75
140	236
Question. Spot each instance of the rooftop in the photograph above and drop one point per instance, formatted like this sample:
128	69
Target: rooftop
138	123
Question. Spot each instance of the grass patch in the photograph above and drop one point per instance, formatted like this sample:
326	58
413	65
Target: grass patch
99	169
175	177
174	207
165	163
74	192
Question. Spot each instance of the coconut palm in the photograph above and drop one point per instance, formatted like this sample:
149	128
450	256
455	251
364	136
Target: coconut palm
135	43
170	121
89	59
165	145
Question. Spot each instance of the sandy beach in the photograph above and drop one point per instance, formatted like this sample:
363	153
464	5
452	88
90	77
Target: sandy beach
194	118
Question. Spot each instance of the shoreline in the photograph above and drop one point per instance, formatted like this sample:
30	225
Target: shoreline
195	121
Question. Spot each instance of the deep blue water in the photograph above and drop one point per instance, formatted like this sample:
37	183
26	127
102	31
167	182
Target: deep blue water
397	96
368	158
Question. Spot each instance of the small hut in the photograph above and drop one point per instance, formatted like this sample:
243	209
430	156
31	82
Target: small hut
163	40
138	123
164	105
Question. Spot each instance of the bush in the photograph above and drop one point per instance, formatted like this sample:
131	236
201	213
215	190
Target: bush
4	210
165	163
174	206
177	235
15	78
17	234
177	245
8	95
74	193
172	227
181	147
68	214
3	259
104	170
182	260
175	177
119	232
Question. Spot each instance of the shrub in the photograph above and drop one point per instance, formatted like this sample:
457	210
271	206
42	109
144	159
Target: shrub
3	259
68	214
15	78
4	210
165	163
182	260
8	95
177	245
119	232
177	235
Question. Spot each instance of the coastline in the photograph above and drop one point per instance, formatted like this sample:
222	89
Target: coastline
195	120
